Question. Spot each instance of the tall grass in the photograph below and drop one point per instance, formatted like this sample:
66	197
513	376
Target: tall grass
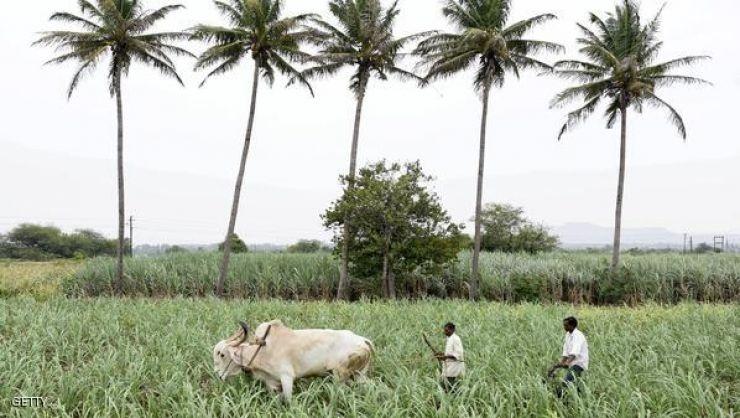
566	277
135	358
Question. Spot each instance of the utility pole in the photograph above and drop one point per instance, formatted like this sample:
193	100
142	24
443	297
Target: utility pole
131	235
719	243
684	243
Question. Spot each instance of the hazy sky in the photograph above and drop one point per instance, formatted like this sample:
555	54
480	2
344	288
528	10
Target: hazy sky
182	145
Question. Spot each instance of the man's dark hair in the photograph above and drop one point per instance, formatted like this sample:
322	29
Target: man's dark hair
571	320
450	325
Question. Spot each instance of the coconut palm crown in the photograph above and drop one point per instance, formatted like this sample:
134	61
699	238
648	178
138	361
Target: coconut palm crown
117	29
620	69
363	40
256	29
485	42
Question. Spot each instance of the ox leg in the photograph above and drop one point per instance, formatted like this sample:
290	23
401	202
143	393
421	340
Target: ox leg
274	385
287	384
361	376
342	374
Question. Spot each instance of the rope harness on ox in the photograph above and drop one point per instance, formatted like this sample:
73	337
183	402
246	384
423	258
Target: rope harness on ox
260	342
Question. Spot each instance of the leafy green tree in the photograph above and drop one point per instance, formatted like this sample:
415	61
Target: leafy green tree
704	248
534	239
119	30
88	243
363	39
484	42
305	246
257	30
37	242
398	225
46	239
236	244
499	224
506	229
620	71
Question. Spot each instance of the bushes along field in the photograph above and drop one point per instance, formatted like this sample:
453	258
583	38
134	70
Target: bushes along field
564	277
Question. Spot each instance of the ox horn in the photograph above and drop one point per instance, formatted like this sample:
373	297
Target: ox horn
244	334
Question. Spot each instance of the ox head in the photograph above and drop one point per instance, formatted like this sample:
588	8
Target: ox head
227	353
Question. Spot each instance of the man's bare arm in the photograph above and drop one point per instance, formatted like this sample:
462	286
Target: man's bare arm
566	360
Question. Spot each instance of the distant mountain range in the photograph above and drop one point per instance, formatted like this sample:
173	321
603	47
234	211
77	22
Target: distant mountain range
579	235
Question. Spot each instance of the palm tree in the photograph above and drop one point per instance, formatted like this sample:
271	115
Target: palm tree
485	42
364	41
117	29
255	29
620	70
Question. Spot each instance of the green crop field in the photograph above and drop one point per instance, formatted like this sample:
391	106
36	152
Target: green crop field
143	357
30	277
553	277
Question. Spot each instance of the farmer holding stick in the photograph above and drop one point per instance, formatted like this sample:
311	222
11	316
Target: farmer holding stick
453	365
575	355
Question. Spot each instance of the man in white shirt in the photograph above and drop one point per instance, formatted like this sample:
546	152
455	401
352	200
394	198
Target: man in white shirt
453	365
575	355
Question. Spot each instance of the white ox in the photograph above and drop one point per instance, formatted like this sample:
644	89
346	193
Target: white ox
287	354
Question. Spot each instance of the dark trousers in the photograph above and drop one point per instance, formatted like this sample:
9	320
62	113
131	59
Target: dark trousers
571	378
449	384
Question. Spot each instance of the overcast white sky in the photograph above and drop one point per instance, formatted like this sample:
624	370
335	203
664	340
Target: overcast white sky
183	144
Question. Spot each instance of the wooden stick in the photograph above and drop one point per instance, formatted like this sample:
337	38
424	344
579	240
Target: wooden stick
434	352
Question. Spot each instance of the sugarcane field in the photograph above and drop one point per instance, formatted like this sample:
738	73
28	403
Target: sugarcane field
538	217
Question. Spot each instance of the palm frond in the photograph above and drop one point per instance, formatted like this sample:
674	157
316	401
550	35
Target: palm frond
86	68
579	65
673	116
519	29
224	67
579	115
662	68
287	70
142	23
588	91
70	18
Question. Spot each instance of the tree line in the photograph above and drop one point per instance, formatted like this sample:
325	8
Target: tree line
618	68
40	243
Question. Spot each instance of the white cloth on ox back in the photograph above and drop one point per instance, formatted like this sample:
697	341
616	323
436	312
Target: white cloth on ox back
575	344
454	348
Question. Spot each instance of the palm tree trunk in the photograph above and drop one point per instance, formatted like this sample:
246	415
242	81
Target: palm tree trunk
343	287
384	278
121	207
391	282
475	275
620	192
238	187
